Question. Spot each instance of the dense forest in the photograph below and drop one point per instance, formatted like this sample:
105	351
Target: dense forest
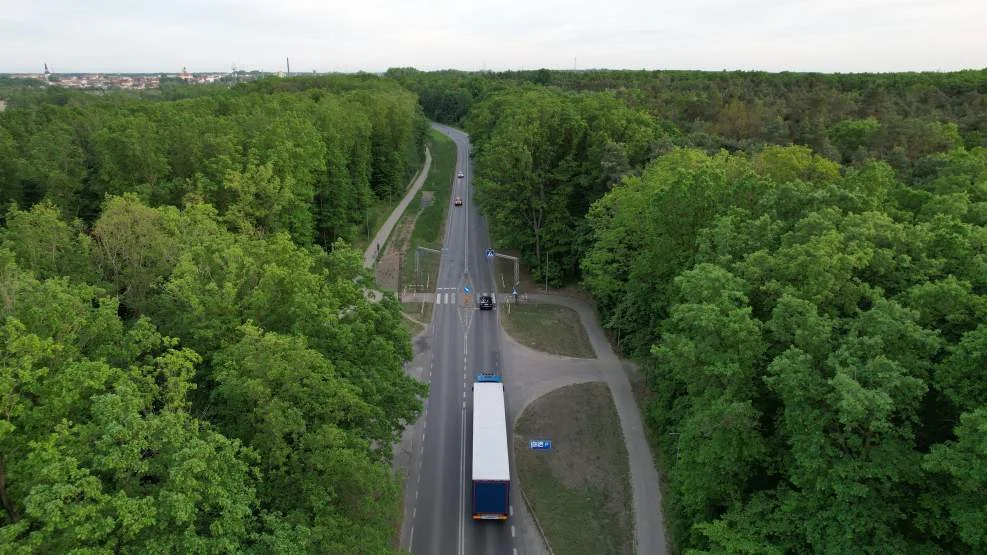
188	359
799	264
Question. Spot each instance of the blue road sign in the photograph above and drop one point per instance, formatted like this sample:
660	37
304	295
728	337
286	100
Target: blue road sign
490	253
541	444
514	291
466	289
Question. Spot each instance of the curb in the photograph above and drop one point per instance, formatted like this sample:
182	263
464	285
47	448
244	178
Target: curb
531	511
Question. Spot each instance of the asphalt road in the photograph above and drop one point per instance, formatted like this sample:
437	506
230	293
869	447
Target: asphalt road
464	342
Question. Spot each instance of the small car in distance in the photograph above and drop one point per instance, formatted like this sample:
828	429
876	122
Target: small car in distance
485	302
458	201
460	175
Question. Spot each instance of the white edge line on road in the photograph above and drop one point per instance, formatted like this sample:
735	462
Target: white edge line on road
411	540
512	531
462	457
462	480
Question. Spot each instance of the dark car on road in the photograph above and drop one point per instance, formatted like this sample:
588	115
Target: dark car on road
485	302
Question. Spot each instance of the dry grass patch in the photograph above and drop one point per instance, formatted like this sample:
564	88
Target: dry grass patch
550	328
579	490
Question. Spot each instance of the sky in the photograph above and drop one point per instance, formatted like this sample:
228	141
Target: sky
372	35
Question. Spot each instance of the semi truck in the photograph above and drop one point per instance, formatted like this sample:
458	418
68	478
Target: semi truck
491	463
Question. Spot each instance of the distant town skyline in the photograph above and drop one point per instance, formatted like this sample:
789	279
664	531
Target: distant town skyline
211	36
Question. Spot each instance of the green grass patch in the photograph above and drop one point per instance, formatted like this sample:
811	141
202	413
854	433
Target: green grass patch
419	311
430	220
413	328
400	478
580	489
546	327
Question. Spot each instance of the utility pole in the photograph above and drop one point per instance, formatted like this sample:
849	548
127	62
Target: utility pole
287	64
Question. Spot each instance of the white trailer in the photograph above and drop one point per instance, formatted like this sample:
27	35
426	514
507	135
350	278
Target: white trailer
491	461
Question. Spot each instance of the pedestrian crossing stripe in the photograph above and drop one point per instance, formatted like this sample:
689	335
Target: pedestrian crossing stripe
445	298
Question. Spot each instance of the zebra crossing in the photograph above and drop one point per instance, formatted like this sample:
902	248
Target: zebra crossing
445	298
446	295
452	296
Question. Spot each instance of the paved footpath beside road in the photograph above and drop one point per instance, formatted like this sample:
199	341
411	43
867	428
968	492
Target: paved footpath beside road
370	255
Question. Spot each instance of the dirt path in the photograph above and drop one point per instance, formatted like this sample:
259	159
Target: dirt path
532	374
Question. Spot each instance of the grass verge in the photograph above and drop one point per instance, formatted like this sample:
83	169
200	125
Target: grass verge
580	489
430	217
400	477
413	328
397	267
550	328
420	312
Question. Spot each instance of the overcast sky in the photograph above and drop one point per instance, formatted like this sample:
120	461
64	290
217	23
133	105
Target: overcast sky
373	35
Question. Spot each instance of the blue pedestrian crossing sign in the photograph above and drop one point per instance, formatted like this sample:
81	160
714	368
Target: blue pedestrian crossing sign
514	291
540	444
490	253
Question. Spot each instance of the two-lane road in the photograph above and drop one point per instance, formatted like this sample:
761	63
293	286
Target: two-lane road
465	341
